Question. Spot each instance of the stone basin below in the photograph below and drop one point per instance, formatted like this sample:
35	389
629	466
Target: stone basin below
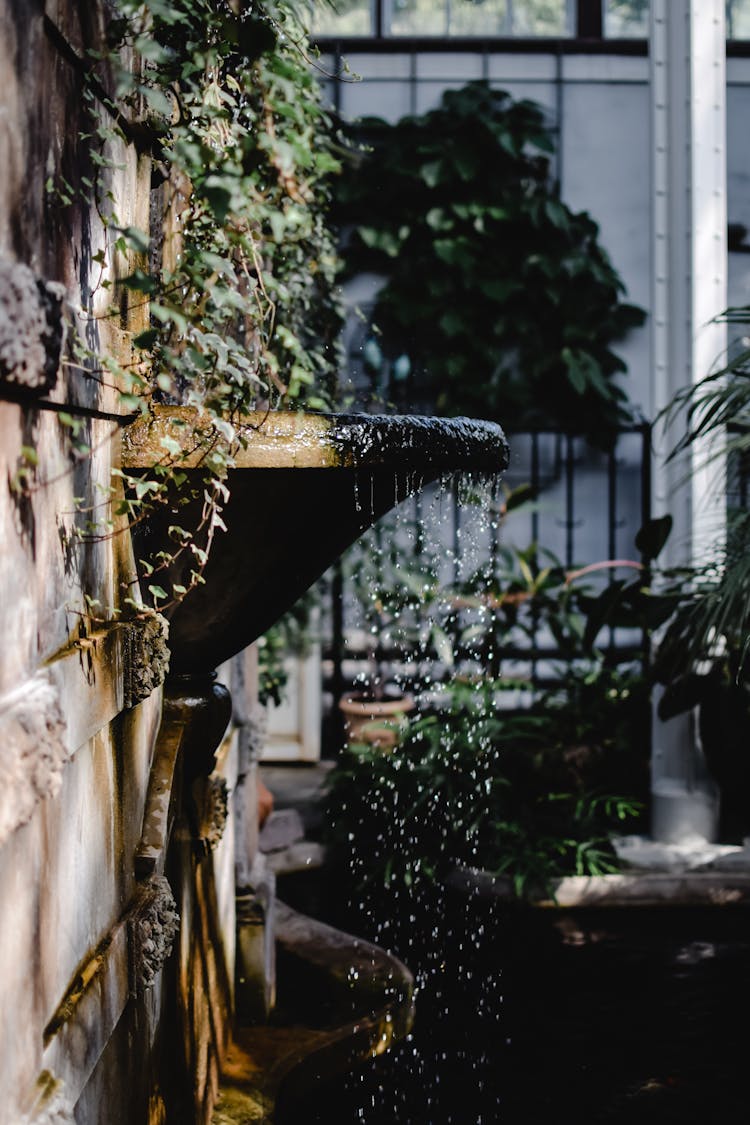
303	487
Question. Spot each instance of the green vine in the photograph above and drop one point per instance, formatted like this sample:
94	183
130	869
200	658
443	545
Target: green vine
230	293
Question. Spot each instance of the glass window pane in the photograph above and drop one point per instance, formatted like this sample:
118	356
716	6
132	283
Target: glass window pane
738	19
538	17
479	17
626	19
341	17
419	17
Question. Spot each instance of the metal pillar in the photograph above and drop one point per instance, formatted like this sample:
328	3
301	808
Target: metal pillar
688	118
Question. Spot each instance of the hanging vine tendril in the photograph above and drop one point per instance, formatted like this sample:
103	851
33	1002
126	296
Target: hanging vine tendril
232	289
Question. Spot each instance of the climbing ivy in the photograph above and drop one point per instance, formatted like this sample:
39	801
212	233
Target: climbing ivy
245	311
498	299
237	269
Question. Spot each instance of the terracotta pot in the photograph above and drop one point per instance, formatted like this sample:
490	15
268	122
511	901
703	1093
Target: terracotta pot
378	722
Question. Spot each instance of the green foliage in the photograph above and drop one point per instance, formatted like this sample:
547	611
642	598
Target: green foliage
238	267
522	793
511	599
524	782
702	655
712	601
499	297
246	312
701	661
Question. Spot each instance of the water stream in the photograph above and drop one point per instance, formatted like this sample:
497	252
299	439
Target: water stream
524	1016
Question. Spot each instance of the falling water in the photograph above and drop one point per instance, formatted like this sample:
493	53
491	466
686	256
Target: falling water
522	1017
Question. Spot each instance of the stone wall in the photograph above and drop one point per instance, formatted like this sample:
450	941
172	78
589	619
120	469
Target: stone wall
99	1023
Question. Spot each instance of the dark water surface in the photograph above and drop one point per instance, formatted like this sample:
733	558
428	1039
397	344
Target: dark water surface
628	1016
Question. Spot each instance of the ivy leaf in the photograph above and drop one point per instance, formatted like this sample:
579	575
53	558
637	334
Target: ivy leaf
146	339
499	289
147	47
431	173
452	323
141	282
167	12
455	252
385	240
157	99
438	220
142	487
218	196
135	239
467	163
278	223
171	446
167	314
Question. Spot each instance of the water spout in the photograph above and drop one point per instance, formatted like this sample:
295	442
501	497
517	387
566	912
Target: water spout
302	489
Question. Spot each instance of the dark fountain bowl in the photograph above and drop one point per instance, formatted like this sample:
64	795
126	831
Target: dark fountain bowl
302	488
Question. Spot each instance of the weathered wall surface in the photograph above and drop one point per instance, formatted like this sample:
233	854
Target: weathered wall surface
90	1022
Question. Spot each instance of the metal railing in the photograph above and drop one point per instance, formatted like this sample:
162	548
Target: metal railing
587	507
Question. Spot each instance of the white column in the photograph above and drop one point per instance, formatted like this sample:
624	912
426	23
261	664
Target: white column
688	99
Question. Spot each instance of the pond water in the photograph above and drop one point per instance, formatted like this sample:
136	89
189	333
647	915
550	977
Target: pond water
619	1016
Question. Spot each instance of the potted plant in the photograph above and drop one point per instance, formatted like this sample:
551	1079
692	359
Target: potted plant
531	791
404	610
524	793
375	711
702	663
379	721
702	658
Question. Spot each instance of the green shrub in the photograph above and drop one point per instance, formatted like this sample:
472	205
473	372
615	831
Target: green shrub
499	300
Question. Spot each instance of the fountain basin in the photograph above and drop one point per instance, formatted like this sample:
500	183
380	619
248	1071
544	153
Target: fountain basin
302	487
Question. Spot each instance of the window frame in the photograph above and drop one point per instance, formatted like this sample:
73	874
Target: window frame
588	18
589	38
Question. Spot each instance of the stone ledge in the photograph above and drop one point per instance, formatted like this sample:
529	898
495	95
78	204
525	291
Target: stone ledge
634	889
305	855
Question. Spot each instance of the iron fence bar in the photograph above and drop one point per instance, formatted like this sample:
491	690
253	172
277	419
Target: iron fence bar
336	655
418	525
569	501
494	529
456	507
612	523
398	654
646	514
536	654
338	71
535	490
535	486
378	648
